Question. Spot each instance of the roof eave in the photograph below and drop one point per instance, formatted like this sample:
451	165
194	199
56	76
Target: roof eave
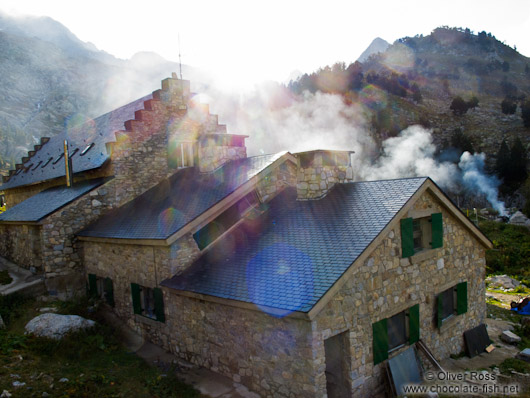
271	311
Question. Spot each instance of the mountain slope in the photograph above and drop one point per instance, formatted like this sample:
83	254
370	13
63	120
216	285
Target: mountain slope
50	79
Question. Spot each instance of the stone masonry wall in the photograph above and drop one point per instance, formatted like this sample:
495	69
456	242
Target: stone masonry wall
144	265
213	157
315	181
274	182
21	244
271	356
387	284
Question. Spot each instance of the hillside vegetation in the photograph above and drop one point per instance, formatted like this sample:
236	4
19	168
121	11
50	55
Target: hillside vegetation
472	90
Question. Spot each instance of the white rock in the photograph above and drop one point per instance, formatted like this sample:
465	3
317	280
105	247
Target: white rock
502	281
518	219
63	380
5	394
510	337
524	355
17	384
56	326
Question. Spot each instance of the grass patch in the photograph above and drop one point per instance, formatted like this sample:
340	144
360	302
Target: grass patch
493	301
496	312
94	362
5	278
515	364
511	250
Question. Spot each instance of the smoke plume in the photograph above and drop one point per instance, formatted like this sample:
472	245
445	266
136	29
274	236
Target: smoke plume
275	121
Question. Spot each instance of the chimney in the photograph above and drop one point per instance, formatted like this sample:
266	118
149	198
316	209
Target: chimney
319	170
67	165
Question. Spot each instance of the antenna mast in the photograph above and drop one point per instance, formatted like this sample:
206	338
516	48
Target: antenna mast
180	61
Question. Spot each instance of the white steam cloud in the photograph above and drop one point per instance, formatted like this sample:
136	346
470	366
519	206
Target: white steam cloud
412	154
275	121
474	177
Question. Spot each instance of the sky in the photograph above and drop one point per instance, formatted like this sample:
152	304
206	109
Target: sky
246	42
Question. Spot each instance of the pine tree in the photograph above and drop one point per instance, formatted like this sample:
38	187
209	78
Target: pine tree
518	159
525	113
502	165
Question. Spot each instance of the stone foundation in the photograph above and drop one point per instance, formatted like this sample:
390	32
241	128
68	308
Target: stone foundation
22	245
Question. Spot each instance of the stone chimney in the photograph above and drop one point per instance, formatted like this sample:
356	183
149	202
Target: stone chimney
319	170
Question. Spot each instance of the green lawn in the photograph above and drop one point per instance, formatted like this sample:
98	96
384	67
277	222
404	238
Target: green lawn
94	362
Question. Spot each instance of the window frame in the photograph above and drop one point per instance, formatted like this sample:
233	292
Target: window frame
380	333
148	302
458	293
101	288
428	230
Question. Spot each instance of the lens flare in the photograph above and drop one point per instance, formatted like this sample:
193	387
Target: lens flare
166	220
373	97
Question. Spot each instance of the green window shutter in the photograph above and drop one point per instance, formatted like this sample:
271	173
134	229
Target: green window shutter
414	323
407	240
439	303
92	285
461	298
136	300
109	292
437	230
159	304
380	341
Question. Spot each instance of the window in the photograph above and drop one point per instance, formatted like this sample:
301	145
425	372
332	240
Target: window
392	333
182	154
421	234
101	288
452	301
397	330
148	302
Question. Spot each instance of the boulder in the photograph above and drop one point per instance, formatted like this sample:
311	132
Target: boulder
519	218
510	337
502	281
56	326
524	355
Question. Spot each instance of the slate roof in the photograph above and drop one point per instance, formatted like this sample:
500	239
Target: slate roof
98	131
166	208
48	201
299	249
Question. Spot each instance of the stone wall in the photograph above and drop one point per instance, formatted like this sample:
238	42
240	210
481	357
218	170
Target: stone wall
316	176
387	284
274	182
271	356
141	264
22	245
213	157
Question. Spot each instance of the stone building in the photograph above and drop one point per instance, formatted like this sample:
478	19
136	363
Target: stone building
279	271
113	158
